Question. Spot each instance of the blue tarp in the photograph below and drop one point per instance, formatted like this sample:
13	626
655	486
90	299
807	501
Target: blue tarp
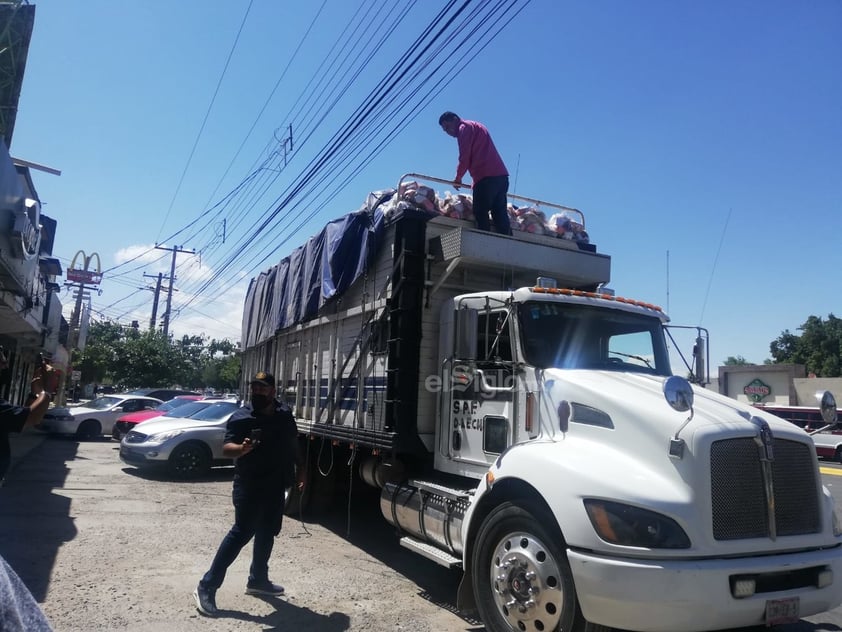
301	284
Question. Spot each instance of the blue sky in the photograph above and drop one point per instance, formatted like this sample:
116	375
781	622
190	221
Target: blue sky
703	141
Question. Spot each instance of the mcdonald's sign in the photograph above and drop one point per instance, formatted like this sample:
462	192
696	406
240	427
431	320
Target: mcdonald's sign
85	274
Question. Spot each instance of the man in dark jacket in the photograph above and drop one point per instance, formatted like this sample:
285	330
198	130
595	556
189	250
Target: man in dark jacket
262	439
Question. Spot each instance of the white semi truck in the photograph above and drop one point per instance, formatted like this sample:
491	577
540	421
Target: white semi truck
525	426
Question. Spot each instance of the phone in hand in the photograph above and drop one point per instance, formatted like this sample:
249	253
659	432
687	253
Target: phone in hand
254	435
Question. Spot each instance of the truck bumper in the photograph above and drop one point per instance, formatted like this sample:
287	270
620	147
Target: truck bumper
694	595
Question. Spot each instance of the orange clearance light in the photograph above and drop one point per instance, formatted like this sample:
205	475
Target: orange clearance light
489	479
602	522
596	295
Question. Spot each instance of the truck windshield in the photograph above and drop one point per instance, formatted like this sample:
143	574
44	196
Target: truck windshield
570	336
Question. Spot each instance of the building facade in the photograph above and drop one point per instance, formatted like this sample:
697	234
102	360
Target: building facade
30	309
775	384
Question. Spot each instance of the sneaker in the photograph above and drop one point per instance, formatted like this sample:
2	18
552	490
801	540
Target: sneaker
264	588
205	600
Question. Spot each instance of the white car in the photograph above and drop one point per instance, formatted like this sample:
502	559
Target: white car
186	446
95	418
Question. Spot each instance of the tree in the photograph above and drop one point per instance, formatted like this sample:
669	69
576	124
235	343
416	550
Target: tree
98	360
131	358
737	361
148	359
818	348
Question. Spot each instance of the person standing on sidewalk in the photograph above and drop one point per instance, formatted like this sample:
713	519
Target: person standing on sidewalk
479	157
16	418
263	440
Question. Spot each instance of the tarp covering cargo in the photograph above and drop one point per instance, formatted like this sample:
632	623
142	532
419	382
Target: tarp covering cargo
302	283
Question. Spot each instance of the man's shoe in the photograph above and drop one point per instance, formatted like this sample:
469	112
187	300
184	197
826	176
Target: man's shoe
264	588
205	600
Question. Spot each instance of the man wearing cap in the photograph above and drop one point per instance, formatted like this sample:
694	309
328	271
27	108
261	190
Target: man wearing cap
263	441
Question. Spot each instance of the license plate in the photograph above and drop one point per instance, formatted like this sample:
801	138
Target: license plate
780	611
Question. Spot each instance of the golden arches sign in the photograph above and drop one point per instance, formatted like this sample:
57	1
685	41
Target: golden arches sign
85	274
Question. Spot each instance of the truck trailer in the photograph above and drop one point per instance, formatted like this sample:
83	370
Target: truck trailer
524	424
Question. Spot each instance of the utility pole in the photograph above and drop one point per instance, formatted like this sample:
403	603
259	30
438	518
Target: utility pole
153	320
75	318
175	250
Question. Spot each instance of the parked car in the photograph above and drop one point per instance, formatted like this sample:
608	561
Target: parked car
185	446
95	418
828	445
164	394
129	421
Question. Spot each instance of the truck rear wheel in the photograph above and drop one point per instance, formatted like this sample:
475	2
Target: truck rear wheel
521	577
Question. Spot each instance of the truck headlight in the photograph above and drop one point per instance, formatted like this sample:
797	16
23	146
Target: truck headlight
626	525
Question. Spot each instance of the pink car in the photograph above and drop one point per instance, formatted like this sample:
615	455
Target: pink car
129	421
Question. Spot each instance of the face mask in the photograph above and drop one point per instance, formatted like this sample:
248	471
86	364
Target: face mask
260	402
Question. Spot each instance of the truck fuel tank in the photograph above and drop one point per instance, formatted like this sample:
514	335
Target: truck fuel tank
427	511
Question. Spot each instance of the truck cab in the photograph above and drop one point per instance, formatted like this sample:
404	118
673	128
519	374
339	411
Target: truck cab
496	348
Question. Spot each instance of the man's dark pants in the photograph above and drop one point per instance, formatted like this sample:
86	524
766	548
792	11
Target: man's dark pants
258	512
490	195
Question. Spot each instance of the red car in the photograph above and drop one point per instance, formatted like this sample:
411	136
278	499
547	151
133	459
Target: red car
129	421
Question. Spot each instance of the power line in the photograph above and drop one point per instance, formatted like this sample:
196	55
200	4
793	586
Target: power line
207	114
402	68
363	135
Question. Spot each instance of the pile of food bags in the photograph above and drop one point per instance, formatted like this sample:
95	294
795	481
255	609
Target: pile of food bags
529	219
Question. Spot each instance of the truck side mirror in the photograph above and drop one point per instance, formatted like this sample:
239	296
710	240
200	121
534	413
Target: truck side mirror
467	321
827	406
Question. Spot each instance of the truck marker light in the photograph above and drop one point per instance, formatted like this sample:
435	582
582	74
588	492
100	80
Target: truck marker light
599	295
601	522
489	479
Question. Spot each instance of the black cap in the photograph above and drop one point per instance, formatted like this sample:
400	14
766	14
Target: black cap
262	377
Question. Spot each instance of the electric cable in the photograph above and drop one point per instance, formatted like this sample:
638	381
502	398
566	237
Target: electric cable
341	143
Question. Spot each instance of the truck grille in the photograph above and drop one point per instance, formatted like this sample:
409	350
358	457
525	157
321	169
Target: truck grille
739	505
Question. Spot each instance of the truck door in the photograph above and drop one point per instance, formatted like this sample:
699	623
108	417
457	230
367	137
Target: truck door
482	392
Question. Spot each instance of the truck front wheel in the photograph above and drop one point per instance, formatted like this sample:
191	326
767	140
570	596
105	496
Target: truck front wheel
521	577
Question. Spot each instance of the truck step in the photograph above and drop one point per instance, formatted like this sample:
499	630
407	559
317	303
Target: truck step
431	553
440	490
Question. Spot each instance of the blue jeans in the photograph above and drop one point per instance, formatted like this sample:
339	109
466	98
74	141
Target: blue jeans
258	513
490	195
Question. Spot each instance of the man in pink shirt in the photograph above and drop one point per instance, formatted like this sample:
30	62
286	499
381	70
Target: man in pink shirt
479	157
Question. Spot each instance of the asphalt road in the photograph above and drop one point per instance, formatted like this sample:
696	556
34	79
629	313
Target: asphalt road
104	547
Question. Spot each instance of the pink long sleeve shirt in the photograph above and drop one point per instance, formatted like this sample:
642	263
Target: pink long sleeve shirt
477	153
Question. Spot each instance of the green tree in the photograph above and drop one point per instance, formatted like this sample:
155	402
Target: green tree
131	358
737	361
818	348
148	359
97	362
